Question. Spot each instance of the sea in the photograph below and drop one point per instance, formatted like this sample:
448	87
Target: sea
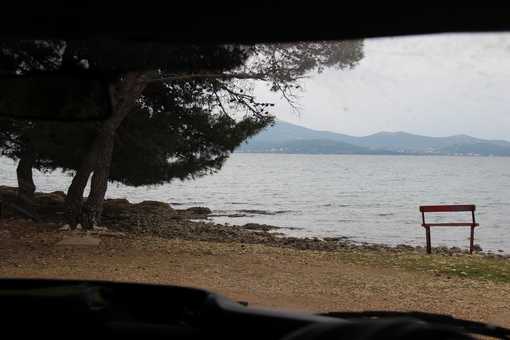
365	198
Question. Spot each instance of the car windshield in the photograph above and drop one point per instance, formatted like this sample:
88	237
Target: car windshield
348	175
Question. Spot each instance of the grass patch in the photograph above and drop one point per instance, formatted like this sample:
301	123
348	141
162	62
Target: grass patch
467	266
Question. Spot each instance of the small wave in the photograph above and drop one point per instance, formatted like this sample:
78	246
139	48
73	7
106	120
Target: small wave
247	213
249	203
283	211
263	212
231	215
385	214
191	203
334	205
372	205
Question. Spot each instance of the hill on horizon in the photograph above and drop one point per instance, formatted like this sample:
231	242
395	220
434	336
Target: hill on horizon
284	137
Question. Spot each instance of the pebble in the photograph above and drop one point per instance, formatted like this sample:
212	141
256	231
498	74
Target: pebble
5	234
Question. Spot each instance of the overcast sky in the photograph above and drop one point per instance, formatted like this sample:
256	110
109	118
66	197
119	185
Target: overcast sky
435	85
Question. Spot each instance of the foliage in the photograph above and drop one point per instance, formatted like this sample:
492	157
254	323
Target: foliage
196	108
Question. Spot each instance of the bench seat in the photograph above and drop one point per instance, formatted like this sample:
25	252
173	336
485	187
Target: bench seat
454	224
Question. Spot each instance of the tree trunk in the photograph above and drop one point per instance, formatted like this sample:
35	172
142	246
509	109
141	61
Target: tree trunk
74	197
93	207
26	186
123	97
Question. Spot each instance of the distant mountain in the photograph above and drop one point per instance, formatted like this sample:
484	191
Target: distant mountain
283	131
312	146
285	137
407	142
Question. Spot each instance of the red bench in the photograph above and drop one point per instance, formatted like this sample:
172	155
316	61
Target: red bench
449	208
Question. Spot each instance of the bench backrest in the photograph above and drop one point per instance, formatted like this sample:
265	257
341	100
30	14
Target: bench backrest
447	208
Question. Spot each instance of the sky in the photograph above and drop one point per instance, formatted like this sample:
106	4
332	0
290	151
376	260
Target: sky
435	85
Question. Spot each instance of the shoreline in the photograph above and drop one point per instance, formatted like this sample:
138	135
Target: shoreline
157	218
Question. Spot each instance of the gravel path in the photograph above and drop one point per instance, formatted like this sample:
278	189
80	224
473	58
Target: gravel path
262	275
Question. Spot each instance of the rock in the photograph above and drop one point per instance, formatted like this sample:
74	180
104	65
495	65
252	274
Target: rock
199	210
118	203
404	247
59	193
228	215
50	199
147	215
299	228
441	250
501	251
8	190
79	240
476	247
333	239
49	206
260	227
154	205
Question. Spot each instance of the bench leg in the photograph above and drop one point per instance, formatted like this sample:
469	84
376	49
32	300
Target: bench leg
429	246
472	240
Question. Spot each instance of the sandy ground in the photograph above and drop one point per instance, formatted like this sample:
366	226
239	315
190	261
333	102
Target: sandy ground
262	275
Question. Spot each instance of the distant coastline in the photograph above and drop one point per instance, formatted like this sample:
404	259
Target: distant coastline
366	154
286	138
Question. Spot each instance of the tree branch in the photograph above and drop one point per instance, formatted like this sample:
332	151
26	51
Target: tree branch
219	102
237	94
191	76
286	96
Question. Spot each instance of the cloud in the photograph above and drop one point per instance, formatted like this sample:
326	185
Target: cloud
434	85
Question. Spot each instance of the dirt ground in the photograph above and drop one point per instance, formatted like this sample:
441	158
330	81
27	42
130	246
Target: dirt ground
262	275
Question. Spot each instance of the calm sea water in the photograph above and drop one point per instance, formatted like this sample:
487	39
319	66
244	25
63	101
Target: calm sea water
366	198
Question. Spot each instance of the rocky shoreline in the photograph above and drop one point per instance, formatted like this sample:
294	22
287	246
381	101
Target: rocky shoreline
160	219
